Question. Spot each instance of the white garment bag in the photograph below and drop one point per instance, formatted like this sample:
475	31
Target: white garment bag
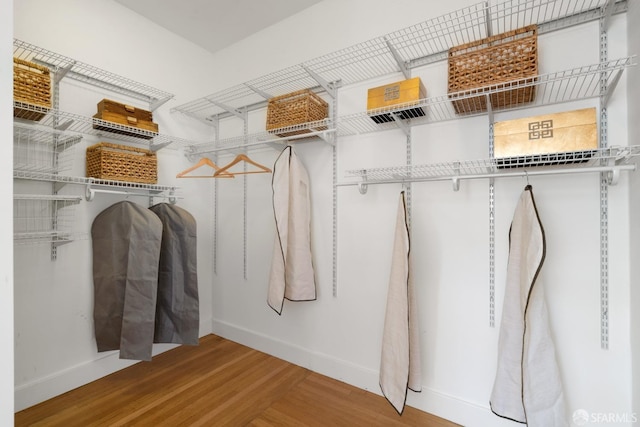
400	362
527	387
292	275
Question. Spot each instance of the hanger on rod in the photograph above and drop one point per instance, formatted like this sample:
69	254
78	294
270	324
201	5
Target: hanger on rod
242	158
205	161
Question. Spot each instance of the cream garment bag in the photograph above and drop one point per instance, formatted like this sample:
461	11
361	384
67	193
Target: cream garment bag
400	361
527	387
292	276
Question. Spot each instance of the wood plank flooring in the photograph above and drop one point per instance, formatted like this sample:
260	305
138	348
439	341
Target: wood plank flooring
219	383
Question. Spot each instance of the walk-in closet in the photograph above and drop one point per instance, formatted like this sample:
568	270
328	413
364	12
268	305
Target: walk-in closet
320	212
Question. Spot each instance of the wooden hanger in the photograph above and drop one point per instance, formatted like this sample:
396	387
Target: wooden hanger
205	161
242	158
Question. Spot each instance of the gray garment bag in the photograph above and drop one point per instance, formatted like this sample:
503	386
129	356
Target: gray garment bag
126	239
177	310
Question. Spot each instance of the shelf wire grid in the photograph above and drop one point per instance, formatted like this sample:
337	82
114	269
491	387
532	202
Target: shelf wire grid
43	218
89	74
553	88
416	46
486	168
151	189
42	149
88	126
295	132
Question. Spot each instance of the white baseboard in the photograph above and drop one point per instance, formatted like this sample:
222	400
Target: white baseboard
44	388
449	407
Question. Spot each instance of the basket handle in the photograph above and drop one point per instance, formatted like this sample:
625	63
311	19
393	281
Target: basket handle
533	29
129	108
120	147
132	120
27	65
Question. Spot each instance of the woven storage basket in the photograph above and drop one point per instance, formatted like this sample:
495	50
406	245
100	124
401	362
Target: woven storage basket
295	108
495	60
31	85
122	163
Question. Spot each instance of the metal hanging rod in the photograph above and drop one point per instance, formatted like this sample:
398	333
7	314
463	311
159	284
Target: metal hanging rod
90	193
317	129
611	160
101	185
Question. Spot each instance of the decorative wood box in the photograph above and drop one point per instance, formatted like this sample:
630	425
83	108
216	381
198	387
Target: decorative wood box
295	108
494	62
404	93
125	116
542	136
122	163
31	85
124	110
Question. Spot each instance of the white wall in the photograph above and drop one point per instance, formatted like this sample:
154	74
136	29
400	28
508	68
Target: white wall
6	227
341	336
54	342
633	100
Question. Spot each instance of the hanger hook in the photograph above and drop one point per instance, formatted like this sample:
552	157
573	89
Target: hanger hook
526	174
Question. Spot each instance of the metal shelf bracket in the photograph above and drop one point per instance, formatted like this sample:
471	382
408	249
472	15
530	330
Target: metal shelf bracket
330	88
402	64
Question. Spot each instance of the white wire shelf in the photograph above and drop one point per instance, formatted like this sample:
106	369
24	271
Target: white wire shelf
398	51
94	185
613	160
61	120
553	88
275	138
43	218
55	237
70	68
42	149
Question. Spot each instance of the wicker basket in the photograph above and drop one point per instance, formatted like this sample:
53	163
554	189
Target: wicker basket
31	85
122	163
495	60
293	109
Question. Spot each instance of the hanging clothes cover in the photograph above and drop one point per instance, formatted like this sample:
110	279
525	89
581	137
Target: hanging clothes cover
400	368
177	308
292	275
126	239
527	387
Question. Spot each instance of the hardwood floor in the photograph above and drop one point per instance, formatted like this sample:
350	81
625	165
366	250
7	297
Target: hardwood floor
219	383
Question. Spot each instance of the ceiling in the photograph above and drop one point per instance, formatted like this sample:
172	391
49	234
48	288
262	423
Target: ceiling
216	24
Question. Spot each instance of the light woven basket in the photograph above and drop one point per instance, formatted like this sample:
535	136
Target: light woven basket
122	163
31	85
295	108
495	60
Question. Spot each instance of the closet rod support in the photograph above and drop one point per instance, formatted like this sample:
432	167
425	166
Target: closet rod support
456	183
362	186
